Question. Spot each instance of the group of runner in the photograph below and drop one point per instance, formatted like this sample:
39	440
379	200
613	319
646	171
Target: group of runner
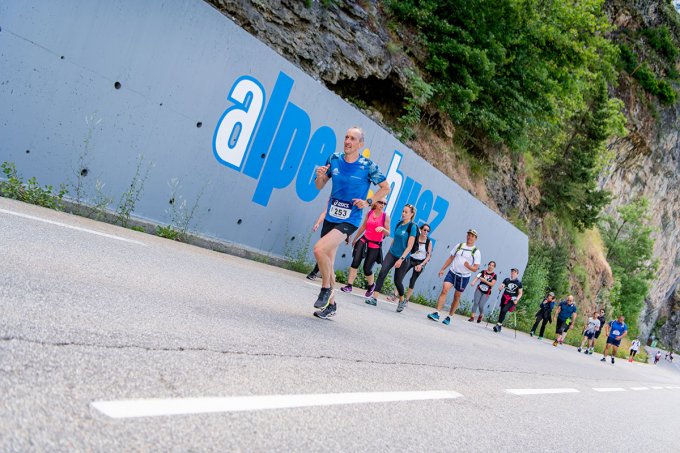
352	175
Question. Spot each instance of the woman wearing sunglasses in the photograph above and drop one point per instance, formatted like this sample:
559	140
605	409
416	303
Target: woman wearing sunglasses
367	245
398	257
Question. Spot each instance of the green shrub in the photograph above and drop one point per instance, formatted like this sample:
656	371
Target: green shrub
168	232
667	94
660	39
30	192
647	79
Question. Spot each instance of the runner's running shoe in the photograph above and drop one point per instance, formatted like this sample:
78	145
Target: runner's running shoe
372	301
433	316
579	349
612	360
479	319
327	312
311	276
324	298
369	291
603	359
447	321
401	306
531	334
346	289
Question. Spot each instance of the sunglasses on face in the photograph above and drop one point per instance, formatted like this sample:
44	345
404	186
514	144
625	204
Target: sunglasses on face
381	203
425	230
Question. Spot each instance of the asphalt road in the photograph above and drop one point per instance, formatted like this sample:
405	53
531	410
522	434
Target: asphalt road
93	313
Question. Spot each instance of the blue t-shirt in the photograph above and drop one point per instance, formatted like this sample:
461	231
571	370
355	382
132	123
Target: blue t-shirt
566	310
350	181
617	328
401	236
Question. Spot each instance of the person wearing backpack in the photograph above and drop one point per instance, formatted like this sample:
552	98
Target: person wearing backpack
405	235
544	315
417	262
367	246
513	290
465	259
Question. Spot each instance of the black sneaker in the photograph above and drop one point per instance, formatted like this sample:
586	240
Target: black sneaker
324	299
603	359
579	349
311	276
612	360
327	312
531	334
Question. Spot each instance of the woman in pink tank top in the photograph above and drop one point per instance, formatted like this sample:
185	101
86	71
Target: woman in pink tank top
367	245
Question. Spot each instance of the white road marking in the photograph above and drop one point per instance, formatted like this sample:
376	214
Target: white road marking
639	388
540	391
657	387
609	389
184	406
672	387
85	230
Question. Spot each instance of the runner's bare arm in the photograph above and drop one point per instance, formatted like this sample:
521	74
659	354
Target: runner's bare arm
386	229
383	192
519	295
448	262
321	178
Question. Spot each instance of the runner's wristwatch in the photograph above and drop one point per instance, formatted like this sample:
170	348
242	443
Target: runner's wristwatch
369	201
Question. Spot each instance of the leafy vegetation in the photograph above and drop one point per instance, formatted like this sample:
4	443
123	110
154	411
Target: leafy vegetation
630	250
29	191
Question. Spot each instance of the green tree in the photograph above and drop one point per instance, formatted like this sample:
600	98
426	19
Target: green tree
630	249
570	183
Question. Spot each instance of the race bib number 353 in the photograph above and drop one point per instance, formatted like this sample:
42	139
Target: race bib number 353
340	209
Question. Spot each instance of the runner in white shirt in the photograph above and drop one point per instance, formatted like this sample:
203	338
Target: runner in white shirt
592	326
464	260
634	348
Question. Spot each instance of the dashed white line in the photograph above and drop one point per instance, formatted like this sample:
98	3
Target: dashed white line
609	389
540	391
85	230
672	387
639	388
657	387
185	406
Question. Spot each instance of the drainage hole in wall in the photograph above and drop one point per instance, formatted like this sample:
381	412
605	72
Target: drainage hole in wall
117	85
344	254
171	201
28	151
293	238
238	222
84	171
199	124
263	155
62	57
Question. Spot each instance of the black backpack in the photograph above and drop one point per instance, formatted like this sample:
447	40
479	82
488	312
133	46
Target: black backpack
416	243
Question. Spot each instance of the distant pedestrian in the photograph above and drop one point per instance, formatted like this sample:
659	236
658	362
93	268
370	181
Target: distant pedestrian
634	347
616	330
465	259
487	279
670	357
657	357
592	326
544	315
566	315
512	293
603	321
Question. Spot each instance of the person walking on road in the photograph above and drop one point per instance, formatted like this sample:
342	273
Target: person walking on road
566	315
487	279
367	245
465	259
544	315
592	326
352	175
657	357
512	292
405	235
603	321
634	347
417	262
616	330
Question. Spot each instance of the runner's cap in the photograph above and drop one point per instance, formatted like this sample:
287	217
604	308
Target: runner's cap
551	294
473	231
514	269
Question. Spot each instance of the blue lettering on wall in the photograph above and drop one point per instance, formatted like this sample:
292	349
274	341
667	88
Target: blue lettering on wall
281	147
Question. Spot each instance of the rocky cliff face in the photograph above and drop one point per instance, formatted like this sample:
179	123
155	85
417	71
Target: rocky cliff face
349	46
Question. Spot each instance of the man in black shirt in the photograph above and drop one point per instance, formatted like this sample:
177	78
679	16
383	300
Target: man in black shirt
512	293
544	314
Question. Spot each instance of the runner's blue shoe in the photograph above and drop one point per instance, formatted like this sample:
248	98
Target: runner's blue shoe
324	298
371	301
433	316
446	321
